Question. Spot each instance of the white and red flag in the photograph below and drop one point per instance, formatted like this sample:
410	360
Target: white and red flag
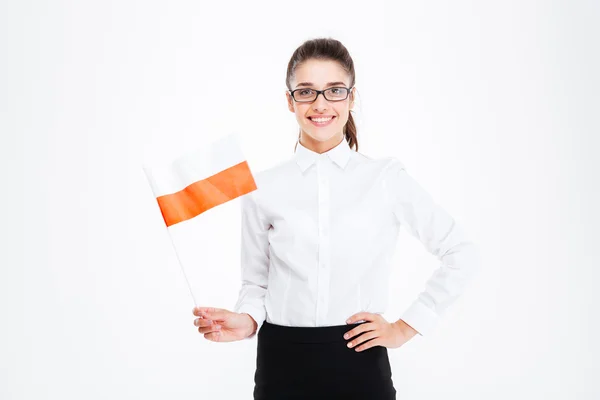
199	181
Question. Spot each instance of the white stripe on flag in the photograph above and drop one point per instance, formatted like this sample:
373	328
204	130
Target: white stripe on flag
195	166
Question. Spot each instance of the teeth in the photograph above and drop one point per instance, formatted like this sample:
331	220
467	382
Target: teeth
321	119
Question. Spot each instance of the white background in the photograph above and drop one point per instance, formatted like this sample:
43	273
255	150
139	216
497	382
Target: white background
492	106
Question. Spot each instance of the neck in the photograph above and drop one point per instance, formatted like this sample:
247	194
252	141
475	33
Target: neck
318	146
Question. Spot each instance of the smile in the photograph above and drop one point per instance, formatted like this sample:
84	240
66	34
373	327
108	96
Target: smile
321	121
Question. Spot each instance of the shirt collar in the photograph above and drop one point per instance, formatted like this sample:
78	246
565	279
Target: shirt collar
340	154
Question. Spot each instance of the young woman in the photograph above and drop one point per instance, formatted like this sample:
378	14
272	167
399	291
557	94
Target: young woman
317	239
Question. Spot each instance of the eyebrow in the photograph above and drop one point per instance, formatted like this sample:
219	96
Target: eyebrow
312	84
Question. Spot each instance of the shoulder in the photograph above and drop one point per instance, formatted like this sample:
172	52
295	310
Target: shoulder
383	165
273	175
392	164
269	180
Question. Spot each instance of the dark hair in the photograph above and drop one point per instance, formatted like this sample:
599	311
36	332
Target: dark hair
326	49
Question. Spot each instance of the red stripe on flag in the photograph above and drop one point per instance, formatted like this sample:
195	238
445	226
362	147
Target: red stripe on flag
206	194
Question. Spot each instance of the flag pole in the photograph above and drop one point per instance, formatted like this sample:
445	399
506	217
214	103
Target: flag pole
182	269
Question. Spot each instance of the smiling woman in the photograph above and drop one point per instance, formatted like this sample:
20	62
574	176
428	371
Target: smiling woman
318	235
320	81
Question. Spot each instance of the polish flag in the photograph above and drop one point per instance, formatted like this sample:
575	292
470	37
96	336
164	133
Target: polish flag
200	180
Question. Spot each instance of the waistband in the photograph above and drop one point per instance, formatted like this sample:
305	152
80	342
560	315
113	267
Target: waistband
305	334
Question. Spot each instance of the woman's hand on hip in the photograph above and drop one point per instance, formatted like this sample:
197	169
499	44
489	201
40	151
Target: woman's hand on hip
376	331
220	325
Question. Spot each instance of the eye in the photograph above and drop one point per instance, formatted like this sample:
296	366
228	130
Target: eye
305	92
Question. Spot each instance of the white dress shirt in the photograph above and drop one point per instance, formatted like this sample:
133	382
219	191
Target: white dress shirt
319	232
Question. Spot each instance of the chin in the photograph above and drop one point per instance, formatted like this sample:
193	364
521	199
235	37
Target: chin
321	136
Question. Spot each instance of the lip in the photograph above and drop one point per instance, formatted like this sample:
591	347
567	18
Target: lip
321	116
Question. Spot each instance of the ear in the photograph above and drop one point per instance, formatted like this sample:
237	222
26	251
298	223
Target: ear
290	101
352	93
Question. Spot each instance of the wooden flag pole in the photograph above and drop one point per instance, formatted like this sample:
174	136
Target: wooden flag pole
181	266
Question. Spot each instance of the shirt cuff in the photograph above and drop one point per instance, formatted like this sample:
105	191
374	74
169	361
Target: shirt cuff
421	318
258	314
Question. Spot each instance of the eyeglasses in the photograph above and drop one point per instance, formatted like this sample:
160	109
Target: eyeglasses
305	95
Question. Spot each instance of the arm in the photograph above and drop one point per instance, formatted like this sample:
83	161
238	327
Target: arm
254	261
443	237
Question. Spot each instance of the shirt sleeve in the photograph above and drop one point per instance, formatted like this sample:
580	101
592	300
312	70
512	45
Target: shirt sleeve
442	236
254	260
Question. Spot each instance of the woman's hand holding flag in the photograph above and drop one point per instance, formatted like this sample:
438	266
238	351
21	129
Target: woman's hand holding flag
220	325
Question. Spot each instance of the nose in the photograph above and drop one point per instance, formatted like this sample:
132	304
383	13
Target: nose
320	102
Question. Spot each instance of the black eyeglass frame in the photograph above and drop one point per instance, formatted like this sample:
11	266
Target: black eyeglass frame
348	90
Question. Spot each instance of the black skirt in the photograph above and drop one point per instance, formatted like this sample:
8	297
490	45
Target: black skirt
315	362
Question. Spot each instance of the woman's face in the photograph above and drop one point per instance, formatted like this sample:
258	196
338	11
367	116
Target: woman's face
320	75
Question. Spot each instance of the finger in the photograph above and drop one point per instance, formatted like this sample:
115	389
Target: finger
214	336
369	344
208	329
367	326
210	312
216	313
366	316
199	311
363	338
203	322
